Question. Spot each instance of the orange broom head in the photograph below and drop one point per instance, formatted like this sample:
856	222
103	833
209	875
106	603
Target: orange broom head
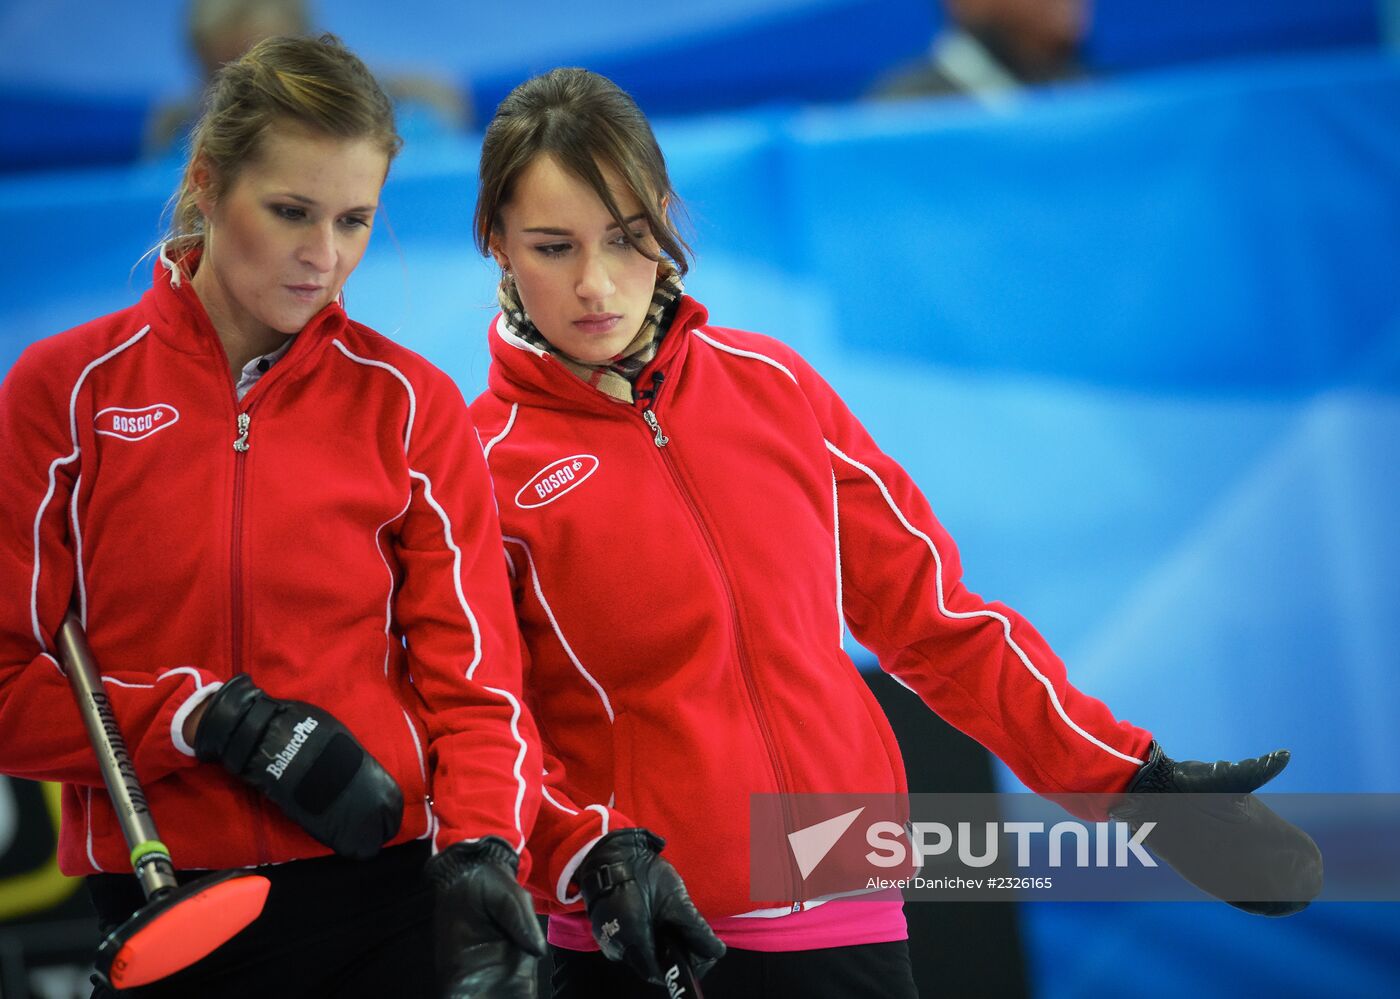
173	932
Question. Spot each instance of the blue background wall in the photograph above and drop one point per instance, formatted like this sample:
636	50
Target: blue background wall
1139	342
77	77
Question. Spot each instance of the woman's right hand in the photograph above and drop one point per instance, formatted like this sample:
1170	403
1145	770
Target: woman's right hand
637	902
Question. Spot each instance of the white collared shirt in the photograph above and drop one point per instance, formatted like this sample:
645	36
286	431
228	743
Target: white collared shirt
258	367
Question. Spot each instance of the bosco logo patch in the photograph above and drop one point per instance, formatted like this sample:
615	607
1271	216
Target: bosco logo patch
555	479
135	424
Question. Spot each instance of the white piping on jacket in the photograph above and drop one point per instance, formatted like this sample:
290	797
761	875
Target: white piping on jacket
87	821
567	874
169	266
389	595
39	636
177	722
544	789
388	651
558	632
835	505
456	566
517	770
510	424
81	578
456	574
53	478
1005	621
739	352
486	453
836	534
503	331
938	567
412	397
780	911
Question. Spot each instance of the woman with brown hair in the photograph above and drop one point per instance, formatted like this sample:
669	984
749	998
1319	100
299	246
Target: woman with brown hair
691	515
277	528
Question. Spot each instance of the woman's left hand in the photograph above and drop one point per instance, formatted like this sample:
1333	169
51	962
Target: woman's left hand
487	938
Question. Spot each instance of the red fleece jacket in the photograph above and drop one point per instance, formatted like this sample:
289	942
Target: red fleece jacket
350	557
682	606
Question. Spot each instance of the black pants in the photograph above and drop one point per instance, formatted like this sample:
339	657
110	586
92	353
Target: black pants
331	927
866	971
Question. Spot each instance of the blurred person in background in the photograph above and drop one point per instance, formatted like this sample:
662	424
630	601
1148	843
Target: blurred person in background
691	515
278	529
219	31
1389	15
990	49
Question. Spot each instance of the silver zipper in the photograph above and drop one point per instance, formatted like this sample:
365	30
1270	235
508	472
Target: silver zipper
661	440
244	422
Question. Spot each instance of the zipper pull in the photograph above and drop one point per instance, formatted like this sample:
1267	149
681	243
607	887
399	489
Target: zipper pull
661	440
650	395
244	422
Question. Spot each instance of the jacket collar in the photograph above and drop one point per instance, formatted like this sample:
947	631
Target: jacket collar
185	324
522	372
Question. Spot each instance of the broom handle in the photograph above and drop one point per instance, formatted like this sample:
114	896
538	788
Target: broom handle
149	857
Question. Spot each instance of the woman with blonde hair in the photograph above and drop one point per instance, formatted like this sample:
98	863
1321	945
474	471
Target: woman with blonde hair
277	528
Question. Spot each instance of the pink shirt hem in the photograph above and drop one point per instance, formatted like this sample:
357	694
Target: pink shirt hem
842	922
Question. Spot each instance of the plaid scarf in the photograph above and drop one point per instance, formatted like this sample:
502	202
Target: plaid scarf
615	375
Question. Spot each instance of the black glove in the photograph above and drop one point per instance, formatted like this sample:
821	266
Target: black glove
1219	836
487	940
638	904
306	762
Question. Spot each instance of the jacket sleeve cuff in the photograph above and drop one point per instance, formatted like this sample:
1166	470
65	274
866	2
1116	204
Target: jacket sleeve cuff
577	847
566	876
177	723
